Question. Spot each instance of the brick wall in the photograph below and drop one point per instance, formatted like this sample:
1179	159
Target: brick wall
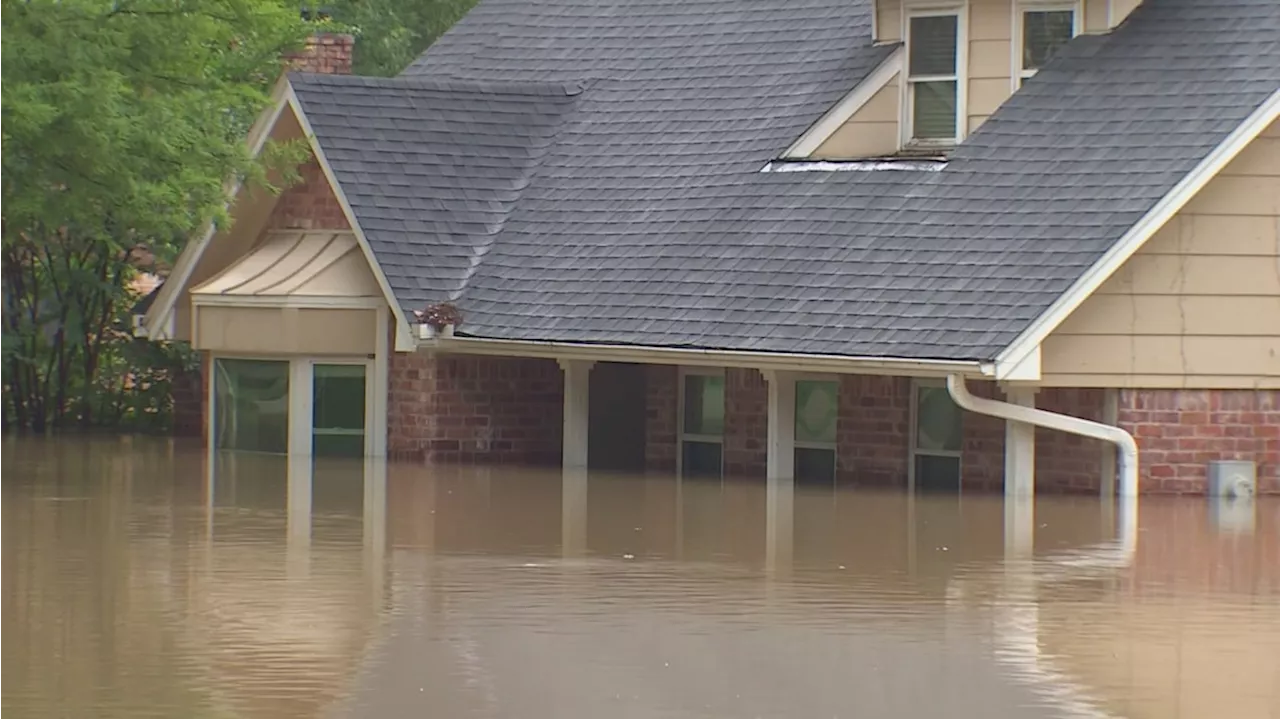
982	453
872	430
746	423
661	404
475	409
1068	462
308	205
1180	431
325	53
189	390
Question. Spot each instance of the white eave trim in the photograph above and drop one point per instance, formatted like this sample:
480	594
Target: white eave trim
404	338
158	322
1012	359
836	117
781	361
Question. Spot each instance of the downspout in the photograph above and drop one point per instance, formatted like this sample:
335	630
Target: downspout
1127	469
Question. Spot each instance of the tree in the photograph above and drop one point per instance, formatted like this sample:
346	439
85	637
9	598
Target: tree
123	122
390	34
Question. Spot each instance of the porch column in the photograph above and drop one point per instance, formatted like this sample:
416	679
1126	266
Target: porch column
1020	447
781	462
577	375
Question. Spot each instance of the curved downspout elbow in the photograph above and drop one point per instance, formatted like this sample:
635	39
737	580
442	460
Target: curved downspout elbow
1127	468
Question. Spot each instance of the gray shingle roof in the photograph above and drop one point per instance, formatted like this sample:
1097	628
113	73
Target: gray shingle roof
634	212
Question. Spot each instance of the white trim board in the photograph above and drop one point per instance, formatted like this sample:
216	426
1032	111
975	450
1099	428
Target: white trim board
836	117
1011	360
782	361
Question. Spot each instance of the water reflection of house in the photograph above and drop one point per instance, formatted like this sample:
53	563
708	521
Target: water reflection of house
772	217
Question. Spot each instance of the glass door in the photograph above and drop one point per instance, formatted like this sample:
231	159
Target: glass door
338	418
251	405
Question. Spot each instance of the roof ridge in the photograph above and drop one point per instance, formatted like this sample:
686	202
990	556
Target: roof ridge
567	88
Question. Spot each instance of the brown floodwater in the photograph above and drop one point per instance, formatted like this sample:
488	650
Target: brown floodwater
142	578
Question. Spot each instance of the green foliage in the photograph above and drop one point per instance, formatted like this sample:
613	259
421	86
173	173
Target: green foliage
392	33
122	124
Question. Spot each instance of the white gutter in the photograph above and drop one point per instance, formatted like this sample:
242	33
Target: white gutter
783	361
1128	459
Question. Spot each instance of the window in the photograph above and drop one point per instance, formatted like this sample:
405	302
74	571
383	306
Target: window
1043	30
702	425
936	439
338	409
251	405
933	79
817	406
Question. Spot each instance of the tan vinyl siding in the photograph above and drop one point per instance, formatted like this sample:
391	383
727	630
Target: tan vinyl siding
1095	16
285	330
871	132
1199	305
1120	10
889	20
990	59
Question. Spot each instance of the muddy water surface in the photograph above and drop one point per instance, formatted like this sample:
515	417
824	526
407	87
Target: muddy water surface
142	580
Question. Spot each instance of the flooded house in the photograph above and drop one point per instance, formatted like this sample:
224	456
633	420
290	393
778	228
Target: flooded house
949	245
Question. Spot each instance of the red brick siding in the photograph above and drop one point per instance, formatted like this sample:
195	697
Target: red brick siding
308	205
1180	431
475	409
746	423
190	392
982	453
872	430
1068	462
328	53
661	405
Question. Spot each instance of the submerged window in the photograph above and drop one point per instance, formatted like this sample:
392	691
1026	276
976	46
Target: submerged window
933	79
251	405
1044	31
936	439
338	410
817	407
702	425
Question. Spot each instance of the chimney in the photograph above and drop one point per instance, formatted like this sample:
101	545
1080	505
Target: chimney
325	52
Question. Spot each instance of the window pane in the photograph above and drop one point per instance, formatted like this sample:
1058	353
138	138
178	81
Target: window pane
937	420
338	396
703	404
251	405
337	417
1043	32
934	111
937	473
815	466
816	409
933	45
701	459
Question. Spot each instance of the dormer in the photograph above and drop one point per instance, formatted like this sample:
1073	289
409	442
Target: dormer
954	63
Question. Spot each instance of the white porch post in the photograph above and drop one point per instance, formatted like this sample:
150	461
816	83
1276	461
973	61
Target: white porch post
781	462
1020	447
577	375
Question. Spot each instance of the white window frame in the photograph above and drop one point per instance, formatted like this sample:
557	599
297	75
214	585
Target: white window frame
1020	9
830	446
913	442
906	104
681	436
301	398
